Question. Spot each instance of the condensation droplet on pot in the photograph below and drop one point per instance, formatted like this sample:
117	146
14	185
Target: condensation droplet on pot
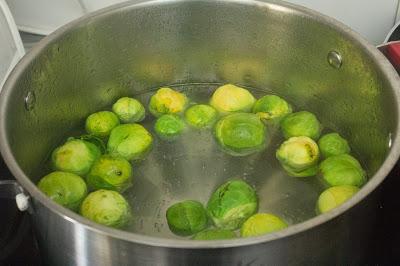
335	59
30	100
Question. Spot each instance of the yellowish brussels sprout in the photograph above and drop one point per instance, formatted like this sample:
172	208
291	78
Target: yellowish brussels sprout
106	207
299	156
131	141
101	123
261	224
272	107
75	156
230	98
201	116
110	172
167	101
129	110
334	197
66	189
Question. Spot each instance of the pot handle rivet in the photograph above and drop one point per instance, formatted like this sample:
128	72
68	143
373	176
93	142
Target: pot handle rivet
335	59
22	201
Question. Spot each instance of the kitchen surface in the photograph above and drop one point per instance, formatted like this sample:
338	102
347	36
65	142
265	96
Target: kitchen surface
377	23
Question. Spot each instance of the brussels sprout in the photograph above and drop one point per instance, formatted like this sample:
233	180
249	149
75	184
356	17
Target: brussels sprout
113	173
341	170
129	110
214	234
169	126
66	189
231	204
75	156
201	116
271	107
230	98
261	224
167	101
333	144
106	207
334	197
241	134
299	156
187	217
131	141
100	124
301	124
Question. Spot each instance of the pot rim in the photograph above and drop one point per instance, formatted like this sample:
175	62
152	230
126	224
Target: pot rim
391	159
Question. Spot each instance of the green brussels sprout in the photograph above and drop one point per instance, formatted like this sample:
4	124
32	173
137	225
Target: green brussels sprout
187	217
241	134
201	116
129	110
106	207
131	141
333	144
66	189
301	124
108	172
169	126
167	101
261	224
299	156
231	204
334	197
341	170
230	98
75	156
214	234
271	107
100	124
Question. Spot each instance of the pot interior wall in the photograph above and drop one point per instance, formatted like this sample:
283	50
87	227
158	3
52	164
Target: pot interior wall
137	48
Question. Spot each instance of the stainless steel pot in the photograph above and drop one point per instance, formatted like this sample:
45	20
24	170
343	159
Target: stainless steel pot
316	62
